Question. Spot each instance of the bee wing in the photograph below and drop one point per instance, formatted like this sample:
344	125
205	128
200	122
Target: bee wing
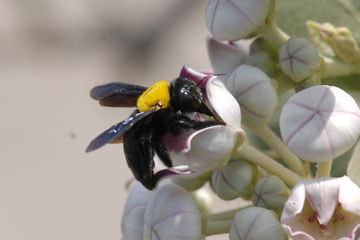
116	131
117	94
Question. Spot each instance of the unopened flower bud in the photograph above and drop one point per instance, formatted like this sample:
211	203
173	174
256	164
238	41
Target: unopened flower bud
233	20
225	57
320	123
191	184
235	180
256	95
256	223
172	214
299	58
133	217
271	193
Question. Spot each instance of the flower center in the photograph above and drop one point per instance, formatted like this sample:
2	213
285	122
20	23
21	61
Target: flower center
340	217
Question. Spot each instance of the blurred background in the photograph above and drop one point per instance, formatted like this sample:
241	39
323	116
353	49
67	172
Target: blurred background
52	52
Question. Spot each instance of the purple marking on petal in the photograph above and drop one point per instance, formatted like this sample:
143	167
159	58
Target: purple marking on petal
228	182
242	106
152	231
323	96
260	193
168	172
300	127
173	215
250	87
177	143
252	224
241	12
326	134
237	232
339	112
303	106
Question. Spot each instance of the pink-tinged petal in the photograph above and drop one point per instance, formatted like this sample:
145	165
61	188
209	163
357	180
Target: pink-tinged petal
198	77
225	57
224	103
349	188
322	195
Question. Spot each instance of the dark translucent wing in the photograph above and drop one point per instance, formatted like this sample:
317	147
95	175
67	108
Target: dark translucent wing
117	94
116	131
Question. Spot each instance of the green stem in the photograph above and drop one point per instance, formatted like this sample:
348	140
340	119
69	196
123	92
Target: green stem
226	215
335	68
273	141
253	155
324	169
274	35
217	227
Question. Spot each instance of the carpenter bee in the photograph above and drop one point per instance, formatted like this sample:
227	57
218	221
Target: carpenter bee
162	108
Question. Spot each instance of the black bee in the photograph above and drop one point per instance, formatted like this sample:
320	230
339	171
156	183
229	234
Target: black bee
161	109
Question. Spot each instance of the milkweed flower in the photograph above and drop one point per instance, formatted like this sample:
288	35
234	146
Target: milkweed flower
172	214
320	123
323	208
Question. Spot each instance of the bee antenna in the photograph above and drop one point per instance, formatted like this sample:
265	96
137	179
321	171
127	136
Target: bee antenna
198	84
219	74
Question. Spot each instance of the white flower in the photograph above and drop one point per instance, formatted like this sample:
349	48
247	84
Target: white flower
253	90
172	214
232	20
225	57
132	223
320	123
323	208
255	223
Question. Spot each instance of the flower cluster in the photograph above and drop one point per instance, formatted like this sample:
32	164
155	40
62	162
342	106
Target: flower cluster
282	127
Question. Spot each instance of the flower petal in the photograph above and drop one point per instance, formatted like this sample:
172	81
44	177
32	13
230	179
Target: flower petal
223	102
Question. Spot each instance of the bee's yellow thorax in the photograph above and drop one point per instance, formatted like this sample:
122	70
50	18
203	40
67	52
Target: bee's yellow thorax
157	95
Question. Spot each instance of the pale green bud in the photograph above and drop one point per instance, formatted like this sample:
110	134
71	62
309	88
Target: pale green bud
271	193
299	58
235	180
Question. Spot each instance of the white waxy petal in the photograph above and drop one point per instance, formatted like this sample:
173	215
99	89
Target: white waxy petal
254	92
320	123
133	217
211	148
232	20
224	104
172	214
224	57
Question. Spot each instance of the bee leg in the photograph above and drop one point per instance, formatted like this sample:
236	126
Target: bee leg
163	154
139	153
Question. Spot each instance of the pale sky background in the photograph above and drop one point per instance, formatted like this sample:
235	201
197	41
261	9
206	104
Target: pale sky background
52	52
